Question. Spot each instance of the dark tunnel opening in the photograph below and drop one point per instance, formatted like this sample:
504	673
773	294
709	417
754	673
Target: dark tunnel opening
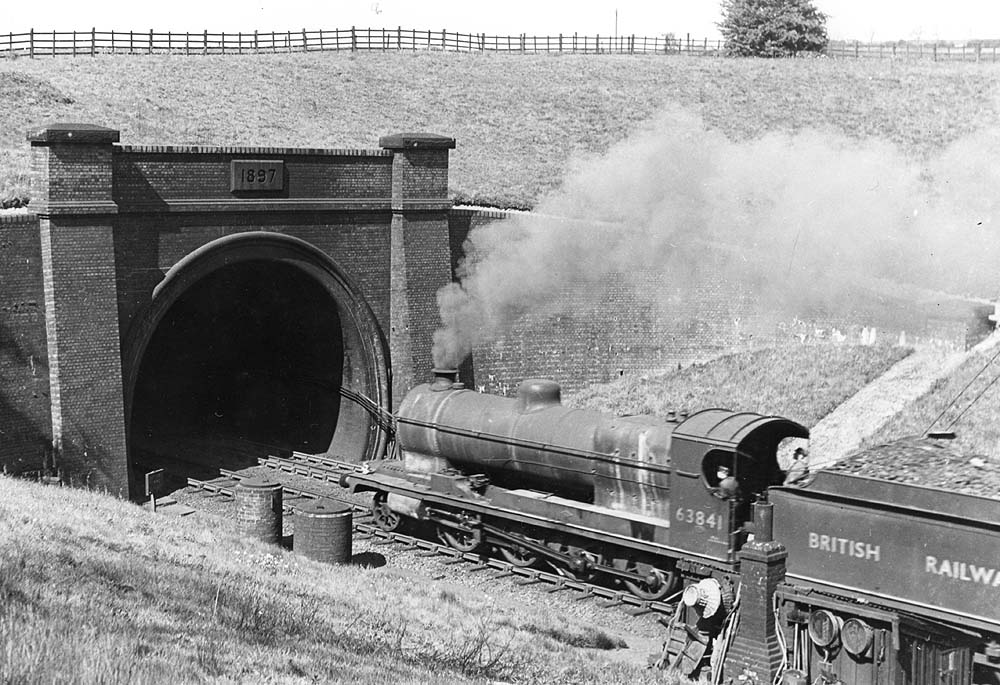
248	361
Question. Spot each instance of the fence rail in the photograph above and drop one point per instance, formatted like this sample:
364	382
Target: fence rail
94	42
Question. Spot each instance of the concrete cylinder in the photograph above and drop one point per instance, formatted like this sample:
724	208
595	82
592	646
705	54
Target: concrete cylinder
258	509
323	531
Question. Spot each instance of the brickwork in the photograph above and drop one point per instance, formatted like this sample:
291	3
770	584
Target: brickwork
155	176
149	246
756	652
421	252
118	223
24	372
84	353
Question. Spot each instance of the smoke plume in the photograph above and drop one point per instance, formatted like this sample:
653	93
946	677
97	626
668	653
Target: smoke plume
802	216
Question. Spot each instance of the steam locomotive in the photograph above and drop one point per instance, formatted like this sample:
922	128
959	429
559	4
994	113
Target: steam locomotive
883	582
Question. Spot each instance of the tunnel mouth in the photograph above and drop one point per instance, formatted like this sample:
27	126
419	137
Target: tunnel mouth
252	351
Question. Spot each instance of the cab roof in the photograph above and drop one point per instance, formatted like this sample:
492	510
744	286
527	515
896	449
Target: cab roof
727	428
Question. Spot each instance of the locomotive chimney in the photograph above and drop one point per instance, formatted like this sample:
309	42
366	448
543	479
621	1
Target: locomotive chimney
446	379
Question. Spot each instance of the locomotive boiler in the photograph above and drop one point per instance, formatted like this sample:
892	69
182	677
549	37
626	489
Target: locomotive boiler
585	492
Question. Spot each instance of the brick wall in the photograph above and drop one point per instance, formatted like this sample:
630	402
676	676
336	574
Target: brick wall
652	321
25	427
114	220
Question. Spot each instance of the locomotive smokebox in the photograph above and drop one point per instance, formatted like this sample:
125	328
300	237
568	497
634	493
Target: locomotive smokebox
445	379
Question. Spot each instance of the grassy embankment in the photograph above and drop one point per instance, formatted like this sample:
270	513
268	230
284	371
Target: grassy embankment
966	402
518	119
800	382
94	590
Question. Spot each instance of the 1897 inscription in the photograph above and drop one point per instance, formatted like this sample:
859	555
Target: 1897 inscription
251	175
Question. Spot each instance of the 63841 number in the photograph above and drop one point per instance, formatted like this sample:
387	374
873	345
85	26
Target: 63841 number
706	519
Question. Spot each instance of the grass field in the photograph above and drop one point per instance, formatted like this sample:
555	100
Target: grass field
518	119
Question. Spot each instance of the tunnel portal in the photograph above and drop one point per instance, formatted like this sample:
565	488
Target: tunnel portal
247	361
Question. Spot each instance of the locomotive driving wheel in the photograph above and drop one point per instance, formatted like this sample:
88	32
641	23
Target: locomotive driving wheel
518	555
656	583
384	517
456	538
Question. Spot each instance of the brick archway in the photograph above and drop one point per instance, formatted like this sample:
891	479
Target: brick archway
285	382
132	236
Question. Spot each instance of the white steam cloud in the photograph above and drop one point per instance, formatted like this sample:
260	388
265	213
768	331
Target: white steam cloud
803	217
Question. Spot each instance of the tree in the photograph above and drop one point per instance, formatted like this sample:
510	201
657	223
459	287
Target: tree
772	28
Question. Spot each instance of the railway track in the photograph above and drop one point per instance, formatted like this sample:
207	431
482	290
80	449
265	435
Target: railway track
329	471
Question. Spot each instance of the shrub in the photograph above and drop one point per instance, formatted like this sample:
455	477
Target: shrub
772	28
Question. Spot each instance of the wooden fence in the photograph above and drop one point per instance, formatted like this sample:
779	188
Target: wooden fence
973	51
94	42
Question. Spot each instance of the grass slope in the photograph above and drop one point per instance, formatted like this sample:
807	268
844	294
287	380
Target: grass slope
966	402
94	590
800	382
518	119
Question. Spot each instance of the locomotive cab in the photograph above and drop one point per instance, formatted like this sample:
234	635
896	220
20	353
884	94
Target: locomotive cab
723	461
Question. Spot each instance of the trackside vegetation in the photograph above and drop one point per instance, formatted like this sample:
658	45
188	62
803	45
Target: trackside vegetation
95	590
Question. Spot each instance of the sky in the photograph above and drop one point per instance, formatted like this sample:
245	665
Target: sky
848	19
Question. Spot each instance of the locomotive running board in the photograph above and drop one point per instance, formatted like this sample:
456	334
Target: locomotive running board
484	506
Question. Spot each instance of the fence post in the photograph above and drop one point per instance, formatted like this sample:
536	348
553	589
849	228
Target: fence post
93	40
31	43
223	42
443	43
204	43
935	52
354	40
74	43
170	41
305	42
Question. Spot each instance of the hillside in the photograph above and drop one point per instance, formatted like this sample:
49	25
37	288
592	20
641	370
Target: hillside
93	589
518	119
